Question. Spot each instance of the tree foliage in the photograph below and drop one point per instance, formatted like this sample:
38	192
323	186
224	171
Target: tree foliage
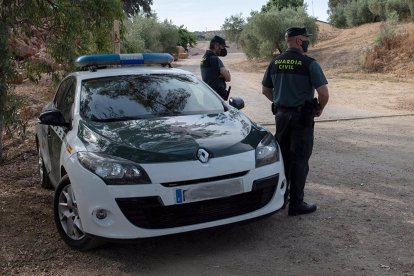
264	33
186	38
349	13
147	34
282	4
73	27
233	27
132	7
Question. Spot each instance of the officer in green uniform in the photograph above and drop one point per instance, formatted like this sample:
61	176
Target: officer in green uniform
212	68
290	82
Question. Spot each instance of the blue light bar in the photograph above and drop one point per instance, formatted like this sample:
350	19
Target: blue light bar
124	59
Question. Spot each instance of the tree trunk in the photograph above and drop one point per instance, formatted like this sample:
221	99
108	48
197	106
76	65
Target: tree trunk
4	73
1	133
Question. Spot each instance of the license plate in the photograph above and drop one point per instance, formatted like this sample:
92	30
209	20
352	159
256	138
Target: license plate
209	191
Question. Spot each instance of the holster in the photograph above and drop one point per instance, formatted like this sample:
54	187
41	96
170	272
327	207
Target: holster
274	108
309	110
224	93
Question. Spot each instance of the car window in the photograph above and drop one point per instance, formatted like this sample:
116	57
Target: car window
59	93
145	96
66	104
65	97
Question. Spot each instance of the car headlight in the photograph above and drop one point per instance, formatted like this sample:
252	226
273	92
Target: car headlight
113	170
267	151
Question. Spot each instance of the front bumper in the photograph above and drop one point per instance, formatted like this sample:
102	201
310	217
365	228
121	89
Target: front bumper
139	211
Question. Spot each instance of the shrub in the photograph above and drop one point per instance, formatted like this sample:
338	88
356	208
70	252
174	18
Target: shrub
146	34
400	7
386	33
357	13
377	8
337	16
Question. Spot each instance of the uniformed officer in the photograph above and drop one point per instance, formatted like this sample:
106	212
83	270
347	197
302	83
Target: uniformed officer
290	82
212	68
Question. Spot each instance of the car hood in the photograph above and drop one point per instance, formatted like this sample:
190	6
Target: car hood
171	139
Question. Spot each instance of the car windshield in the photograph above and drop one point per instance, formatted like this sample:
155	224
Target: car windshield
134	97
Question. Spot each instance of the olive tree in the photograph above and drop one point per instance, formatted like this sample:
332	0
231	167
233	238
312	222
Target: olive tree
233	26
73	27
264	33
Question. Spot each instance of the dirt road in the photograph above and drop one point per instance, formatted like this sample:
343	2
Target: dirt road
361	177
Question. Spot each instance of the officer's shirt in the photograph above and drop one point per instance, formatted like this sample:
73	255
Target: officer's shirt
293	77
210	70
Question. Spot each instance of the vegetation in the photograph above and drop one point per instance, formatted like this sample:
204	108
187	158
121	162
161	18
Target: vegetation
147	34
282	4
350	13
386	40
264	33
233	27
186	38
74	28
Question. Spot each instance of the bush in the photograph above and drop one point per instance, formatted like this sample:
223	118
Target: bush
337	16
357	13
146	34
375	58
410	4
400	7
377	8
386	33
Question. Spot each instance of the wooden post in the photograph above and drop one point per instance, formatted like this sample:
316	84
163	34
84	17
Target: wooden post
116	38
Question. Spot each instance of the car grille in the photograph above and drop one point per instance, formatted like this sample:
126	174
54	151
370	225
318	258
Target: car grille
204	180
150	213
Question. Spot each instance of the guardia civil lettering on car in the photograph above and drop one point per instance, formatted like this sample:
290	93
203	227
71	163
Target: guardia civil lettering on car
136	151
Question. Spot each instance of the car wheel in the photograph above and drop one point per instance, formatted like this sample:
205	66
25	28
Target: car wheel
44	178
67	218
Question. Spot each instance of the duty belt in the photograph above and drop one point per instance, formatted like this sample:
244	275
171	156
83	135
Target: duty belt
289	109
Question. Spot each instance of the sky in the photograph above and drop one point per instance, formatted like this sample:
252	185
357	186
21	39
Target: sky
210	15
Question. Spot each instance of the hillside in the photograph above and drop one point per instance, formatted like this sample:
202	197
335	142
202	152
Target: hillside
343	51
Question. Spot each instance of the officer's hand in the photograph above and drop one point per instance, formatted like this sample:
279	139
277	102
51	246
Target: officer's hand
318	113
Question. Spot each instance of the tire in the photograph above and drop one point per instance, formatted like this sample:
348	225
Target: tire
67	218
44	178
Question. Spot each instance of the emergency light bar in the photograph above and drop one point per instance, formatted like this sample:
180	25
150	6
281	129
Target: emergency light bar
124	59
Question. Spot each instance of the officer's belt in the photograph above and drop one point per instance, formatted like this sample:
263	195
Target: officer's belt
289	109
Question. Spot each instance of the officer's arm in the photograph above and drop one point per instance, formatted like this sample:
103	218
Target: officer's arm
323	97
268	92
225	74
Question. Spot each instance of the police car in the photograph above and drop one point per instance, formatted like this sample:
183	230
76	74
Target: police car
137	151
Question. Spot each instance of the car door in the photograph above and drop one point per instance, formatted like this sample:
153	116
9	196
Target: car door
63	101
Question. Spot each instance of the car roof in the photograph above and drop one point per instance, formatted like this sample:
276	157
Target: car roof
129	70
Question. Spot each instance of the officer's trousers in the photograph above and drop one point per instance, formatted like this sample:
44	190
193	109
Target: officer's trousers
296	143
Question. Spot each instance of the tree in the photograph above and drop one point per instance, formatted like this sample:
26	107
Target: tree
233	27
146	34
74	28
282	4
186	38
334	3
264	33
132	7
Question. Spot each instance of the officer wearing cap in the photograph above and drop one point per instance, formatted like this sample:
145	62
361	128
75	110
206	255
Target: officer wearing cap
289	82
212	68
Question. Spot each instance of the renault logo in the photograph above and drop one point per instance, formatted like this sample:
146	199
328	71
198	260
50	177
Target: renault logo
202	155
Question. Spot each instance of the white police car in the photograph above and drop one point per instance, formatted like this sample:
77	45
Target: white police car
142	151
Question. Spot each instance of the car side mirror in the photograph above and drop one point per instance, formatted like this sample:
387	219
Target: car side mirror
53	118
236	102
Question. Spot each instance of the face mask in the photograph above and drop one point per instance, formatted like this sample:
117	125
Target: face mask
305	44
223	52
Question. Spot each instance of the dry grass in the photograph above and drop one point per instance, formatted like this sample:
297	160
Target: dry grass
396	55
